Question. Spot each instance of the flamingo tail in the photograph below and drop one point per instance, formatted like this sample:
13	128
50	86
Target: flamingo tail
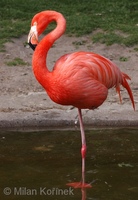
126	85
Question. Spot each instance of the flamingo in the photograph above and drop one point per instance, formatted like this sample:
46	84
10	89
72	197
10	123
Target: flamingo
80	79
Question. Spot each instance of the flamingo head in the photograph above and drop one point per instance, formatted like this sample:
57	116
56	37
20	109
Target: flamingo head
33	36
39	23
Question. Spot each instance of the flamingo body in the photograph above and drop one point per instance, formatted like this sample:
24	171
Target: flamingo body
80	79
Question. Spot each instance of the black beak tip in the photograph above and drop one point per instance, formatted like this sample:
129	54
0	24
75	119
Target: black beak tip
33	46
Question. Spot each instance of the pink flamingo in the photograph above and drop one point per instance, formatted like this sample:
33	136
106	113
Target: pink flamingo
80	79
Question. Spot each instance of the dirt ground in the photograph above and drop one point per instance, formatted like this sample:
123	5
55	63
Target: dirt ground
24	103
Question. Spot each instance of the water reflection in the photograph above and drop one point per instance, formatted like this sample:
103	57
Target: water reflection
38	165
83	191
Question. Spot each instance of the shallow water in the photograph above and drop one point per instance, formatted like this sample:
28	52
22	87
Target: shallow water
37	165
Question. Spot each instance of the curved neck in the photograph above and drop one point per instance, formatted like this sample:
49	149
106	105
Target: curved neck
39	58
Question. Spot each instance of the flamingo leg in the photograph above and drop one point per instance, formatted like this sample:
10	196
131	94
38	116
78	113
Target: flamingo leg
81	184
83	148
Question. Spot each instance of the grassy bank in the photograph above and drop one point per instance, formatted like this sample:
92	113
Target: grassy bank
117	20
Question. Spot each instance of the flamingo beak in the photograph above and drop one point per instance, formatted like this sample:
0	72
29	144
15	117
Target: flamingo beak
33	37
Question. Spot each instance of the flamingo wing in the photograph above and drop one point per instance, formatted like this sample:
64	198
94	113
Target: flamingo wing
82	79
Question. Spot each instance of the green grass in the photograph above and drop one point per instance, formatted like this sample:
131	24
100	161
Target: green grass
123	59
83	17
16	62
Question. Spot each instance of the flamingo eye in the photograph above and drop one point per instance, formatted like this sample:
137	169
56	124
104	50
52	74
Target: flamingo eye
34	28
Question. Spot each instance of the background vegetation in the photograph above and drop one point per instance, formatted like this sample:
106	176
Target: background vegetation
117	20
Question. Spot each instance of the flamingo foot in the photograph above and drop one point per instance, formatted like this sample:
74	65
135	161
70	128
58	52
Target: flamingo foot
79	185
